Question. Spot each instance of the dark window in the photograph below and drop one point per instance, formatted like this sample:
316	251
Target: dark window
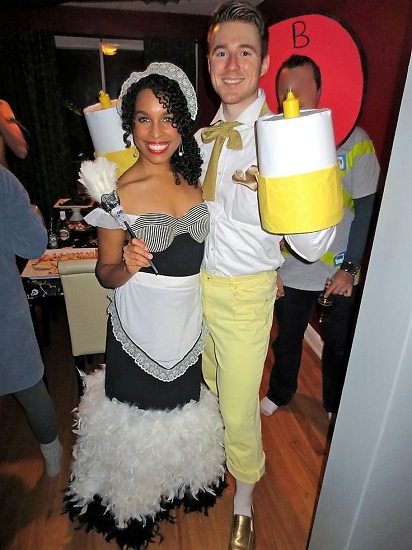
81	81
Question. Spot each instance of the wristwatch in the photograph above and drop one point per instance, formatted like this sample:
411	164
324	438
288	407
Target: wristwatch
350	267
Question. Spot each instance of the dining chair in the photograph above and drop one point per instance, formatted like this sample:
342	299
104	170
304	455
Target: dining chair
86	307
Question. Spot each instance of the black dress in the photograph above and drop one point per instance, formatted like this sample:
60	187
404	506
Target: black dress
150	435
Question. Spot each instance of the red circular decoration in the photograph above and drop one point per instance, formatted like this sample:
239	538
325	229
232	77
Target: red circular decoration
334	49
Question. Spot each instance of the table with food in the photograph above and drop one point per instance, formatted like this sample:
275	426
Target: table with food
41	275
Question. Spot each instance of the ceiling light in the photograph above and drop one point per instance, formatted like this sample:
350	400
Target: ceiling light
108	48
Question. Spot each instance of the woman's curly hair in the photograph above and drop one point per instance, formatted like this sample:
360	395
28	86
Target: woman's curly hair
171	97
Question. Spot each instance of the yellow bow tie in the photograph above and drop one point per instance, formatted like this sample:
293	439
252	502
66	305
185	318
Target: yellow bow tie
221	132
218	133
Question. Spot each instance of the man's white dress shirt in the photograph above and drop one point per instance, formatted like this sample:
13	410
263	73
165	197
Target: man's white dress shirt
237	245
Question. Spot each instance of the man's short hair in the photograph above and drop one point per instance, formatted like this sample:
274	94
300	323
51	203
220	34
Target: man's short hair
235	10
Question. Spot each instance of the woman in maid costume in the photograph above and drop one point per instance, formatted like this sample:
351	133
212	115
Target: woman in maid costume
150	436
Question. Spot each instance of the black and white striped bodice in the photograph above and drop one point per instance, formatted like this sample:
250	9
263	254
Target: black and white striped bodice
177	244
159	230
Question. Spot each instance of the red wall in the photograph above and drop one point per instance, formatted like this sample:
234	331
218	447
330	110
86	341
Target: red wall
384	28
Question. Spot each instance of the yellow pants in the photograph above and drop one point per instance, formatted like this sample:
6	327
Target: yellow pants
239	314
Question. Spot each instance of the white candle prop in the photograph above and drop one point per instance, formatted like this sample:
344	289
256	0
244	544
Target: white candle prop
105	127
299	185
290	146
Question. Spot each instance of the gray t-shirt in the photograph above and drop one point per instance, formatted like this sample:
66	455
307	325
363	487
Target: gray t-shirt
359	171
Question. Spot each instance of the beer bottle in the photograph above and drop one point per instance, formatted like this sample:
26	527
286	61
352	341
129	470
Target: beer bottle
324	304
63	233
53	243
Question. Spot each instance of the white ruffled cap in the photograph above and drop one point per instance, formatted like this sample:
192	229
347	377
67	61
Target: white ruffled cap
170	71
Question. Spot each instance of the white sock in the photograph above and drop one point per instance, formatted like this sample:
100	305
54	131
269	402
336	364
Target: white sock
52	453
243	498
267	407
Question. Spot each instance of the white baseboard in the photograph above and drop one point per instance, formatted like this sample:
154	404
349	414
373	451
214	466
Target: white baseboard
314	340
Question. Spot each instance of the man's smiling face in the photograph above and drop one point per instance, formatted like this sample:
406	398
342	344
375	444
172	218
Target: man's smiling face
235	63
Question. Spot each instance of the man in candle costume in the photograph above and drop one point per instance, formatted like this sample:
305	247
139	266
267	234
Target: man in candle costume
301	282
240	262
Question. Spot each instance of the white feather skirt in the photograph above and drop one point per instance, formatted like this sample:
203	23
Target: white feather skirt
138	461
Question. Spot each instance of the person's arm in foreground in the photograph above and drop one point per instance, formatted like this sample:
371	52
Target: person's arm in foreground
26	227
11	132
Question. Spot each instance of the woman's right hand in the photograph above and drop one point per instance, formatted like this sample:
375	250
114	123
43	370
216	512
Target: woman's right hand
136	255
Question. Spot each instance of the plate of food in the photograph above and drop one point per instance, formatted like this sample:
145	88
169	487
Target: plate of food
79	226
46	267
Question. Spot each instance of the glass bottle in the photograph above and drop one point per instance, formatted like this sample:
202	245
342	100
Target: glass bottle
53	243
324	304
63	233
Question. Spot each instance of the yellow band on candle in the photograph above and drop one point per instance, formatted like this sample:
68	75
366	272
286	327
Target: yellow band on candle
123	159
301	203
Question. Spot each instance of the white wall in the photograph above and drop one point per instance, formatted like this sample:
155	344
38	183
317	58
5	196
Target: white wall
366	497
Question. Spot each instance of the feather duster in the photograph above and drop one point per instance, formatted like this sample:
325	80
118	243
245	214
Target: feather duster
98	176
99	179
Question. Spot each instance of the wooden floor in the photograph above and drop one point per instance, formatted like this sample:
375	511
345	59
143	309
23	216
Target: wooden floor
296	446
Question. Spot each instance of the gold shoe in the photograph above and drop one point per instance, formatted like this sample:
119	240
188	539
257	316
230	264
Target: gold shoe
243	534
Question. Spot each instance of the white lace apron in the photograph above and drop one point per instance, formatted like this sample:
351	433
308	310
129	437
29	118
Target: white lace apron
169	337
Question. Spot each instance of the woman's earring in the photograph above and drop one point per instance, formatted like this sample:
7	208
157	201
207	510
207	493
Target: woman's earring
136	153
180	151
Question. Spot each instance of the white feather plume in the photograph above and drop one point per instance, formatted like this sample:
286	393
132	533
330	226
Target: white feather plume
98	176
134	458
